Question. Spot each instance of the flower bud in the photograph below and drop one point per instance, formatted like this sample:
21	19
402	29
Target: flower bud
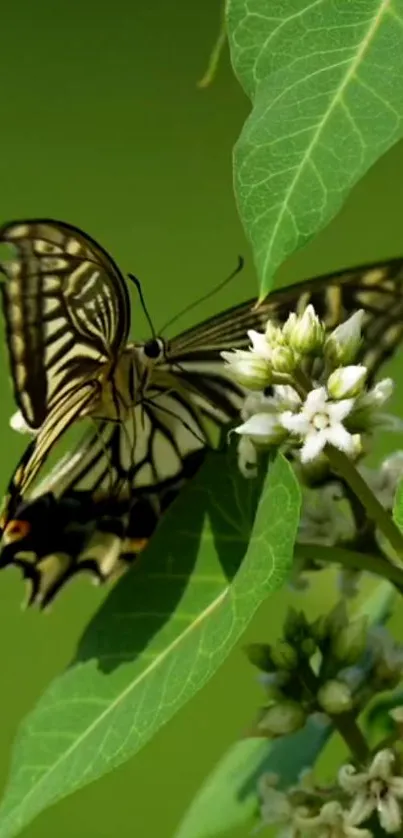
335	697
284	655
342	345
295	625
259	654
249	369
283	359
264	429
273	335
305	334
260	345
283	718
347	382
349	644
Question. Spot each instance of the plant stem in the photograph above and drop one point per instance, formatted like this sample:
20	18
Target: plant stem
352	559
215	54
346	468
344	723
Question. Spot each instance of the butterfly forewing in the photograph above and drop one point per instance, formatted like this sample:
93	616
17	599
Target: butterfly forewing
66	309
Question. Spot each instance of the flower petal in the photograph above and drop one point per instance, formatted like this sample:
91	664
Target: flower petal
297	423
315	402
340	438
339	410
314	444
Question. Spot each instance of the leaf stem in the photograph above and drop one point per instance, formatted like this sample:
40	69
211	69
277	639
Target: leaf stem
344	723
346	468
352	559
215	54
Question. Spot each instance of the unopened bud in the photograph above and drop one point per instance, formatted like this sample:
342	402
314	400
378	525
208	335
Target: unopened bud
259	654
347	382
283	359
335	697
249	369
264	429
295	625
305	334
283	718
284	656
349	643
342	345
273	335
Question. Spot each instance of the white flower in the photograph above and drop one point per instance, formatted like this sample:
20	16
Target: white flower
305	334
343	343
250	369
347	382
263	429
277	808
18	423
320	422
332	822
324	517
376	789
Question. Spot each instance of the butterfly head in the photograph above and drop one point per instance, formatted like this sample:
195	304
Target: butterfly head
154	349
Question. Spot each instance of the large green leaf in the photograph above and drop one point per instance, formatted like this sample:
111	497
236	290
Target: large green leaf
160	635
326	84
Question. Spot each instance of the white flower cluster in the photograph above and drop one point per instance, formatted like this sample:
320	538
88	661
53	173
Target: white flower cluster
378	790
335	410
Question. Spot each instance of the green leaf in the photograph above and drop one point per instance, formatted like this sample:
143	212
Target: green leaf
327	92
398	506
161	634
228	797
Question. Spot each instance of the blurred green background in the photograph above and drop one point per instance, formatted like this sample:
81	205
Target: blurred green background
103	126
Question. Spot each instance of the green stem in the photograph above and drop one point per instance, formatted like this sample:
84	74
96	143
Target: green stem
215	54
345	467
344	723
352	559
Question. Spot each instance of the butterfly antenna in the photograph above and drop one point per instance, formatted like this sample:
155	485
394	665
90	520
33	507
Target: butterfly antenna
137	283
207	296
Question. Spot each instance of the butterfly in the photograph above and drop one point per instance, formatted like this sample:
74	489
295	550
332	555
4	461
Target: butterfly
156	407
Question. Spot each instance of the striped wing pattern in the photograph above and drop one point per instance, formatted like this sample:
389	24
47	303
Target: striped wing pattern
130	472
66	310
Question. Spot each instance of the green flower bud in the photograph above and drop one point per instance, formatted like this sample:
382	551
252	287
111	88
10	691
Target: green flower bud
283	359
347	382
295	625
306	333
273	335
264	429
308	647
342	345
335	697
249	369
259	654
284	656
283	718
349	644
